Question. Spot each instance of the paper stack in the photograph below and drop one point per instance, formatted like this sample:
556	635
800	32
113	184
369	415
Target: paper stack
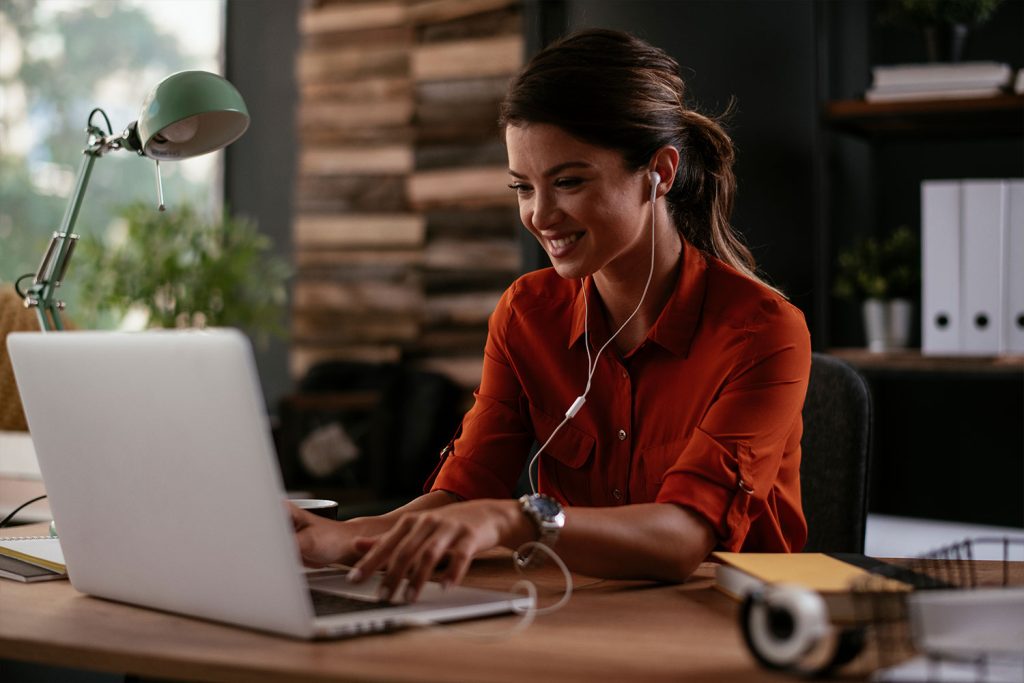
962	80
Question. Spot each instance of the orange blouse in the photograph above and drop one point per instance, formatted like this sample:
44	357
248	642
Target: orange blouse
705	413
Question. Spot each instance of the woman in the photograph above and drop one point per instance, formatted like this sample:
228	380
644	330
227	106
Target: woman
689	438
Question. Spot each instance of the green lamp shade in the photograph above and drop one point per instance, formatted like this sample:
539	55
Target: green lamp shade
191	113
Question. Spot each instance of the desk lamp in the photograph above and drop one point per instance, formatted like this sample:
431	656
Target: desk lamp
187	114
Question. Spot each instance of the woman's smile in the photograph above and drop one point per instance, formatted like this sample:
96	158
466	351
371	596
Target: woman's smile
560	246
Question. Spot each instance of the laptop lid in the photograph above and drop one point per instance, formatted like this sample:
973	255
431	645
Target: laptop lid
156	454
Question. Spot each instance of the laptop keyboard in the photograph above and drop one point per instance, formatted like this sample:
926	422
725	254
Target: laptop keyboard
325	604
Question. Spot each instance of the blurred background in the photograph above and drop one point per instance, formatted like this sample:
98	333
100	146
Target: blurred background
370	195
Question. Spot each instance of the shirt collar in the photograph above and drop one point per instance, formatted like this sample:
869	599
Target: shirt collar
677	323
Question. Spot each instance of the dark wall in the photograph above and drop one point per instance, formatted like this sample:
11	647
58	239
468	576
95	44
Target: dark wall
262	39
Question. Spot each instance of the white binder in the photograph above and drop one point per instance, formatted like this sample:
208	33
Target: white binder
1014	313
983	217
940	267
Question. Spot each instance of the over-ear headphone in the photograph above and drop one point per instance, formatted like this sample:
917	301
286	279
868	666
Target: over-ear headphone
655	181
787	627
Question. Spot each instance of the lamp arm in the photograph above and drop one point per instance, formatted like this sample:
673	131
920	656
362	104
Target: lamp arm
41	295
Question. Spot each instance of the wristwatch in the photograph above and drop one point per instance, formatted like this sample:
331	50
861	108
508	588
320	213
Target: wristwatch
547	516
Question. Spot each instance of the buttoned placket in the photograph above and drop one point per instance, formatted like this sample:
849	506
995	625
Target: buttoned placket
622	435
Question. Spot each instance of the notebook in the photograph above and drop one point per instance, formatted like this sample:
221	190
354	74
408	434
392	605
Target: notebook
31	558
156	454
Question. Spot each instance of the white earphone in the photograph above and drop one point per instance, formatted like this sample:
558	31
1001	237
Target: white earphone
592	360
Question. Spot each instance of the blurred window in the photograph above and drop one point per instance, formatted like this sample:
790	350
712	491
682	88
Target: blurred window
59	59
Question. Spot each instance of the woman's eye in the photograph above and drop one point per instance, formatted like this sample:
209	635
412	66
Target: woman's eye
567	183
520	188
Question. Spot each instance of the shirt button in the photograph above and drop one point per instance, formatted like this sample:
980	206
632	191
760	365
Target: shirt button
625	375
618	494
622	435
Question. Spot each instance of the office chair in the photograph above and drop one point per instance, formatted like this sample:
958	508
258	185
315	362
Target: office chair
835	450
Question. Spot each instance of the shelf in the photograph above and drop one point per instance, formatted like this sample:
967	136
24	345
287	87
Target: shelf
912	360
980	117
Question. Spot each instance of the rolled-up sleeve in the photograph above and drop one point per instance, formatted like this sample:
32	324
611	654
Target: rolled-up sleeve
489	452
742	460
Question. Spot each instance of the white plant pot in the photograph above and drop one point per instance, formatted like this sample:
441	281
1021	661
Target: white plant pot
901	318
887	323
875	324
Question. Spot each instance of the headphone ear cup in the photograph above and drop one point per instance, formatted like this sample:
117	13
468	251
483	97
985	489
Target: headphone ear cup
787	628
782	624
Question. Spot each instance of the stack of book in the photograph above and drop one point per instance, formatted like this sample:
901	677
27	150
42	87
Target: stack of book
964	80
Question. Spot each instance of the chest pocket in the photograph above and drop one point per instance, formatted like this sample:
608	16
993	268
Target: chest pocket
564	466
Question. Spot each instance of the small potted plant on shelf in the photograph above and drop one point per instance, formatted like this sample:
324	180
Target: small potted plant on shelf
885	277
945	23
176	269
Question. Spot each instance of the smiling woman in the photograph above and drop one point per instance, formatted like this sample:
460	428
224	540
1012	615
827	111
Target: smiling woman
663	379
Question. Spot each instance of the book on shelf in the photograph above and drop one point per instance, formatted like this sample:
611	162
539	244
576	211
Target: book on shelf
30	559
941	74
834	577
875	95
965	80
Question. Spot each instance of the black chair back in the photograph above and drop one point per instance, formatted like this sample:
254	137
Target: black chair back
835	454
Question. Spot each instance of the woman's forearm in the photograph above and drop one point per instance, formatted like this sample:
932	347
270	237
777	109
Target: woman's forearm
653	541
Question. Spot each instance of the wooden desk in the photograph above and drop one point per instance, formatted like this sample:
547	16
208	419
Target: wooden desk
610	631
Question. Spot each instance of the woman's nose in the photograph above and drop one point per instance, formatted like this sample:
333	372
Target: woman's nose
546	212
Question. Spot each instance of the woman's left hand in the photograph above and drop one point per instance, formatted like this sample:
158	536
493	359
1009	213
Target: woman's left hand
414	547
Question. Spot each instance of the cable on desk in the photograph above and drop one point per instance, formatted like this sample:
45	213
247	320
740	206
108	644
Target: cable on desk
528	614
18	509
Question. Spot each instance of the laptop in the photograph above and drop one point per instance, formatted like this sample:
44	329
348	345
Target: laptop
156	454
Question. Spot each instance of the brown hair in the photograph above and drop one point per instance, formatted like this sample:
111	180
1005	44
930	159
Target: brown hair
613	90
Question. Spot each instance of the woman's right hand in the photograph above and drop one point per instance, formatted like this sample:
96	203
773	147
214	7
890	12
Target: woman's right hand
323	541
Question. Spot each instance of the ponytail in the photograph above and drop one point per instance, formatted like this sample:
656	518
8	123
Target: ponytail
701	200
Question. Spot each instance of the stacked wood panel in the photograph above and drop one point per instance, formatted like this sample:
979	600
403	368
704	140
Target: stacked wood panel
405	233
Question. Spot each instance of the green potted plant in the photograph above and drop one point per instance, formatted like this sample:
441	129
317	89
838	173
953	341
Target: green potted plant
943	22
177	269
885	276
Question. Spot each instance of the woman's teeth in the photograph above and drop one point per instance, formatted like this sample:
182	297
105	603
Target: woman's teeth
563	242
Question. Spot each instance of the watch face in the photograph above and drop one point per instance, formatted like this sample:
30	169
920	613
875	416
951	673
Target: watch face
546	506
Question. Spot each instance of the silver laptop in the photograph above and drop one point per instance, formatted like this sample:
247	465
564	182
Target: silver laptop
156	454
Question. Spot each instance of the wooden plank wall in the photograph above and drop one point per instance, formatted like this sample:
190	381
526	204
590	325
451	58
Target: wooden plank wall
405	233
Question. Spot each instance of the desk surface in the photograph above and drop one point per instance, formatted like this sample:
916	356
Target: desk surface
610	630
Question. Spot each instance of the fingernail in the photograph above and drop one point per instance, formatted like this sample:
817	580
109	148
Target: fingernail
411	594
354	575
446	584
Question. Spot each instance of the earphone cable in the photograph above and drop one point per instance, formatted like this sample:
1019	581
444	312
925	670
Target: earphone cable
592	365
528	613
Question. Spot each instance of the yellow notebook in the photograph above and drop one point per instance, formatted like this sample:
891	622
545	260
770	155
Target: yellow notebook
816	571
742	573
42	551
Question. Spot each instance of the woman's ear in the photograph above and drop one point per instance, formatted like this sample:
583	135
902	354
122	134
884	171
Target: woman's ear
665	163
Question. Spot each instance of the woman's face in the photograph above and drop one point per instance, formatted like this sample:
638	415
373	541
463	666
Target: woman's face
588	211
